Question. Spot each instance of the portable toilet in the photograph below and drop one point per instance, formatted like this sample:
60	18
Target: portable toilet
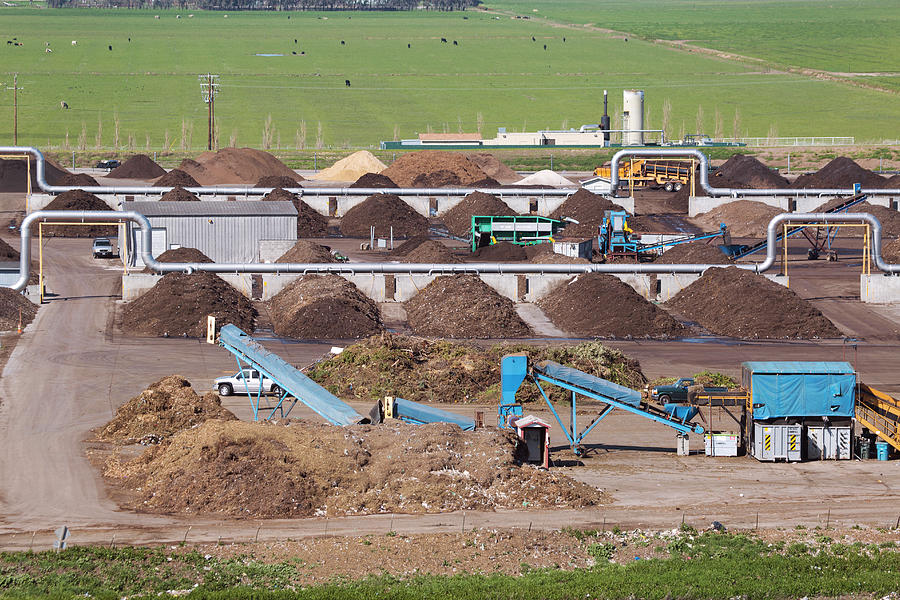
535	433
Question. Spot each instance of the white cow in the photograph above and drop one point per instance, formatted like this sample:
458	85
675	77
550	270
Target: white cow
74	42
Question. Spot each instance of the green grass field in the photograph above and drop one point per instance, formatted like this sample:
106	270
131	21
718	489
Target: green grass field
496	76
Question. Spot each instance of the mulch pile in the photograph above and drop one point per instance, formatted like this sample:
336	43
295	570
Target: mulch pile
307	252
181	255
166	407
434	168
14	174
384	211
11	302
139	166
696	253
179	304
737	303
459	218
324	307
279	181
80	179
179	194
309	222
841	172
890	251
546	256
78	200
747	171
443	371
744	218
463	306
493	168
176	177
601	305
892	182
500	252
302	469
888	217
7	252
420	249
588	209
235	165
373	180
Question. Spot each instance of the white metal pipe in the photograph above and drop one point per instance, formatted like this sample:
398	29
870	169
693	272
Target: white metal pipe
734	192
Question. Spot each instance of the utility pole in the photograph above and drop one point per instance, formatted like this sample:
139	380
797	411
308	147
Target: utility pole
209	87
15	88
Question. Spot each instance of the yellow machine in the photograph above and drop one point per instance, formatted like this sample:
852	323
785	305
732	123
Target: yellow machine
671	175
879	413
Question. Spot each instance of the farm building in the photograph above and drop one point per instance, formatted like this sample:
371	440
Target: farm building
222	230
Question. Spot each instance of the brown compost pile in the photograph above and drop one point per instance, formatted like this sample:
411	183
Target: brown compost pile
841	172
747	171
373	180
176	177
306	252
179	194
744	218
279	181
235	165
459	218
309	222
12	304
740	304
139	166
695	253
588	209
78	200
434	168
387	212
324	307
463	306
179	303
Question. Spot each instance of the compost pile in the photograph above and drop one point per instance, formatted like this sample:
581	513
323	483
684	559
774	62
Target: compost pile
351	168
890	251
493	168
179	194
384	211
78	200
14	174
434	168
279	181
235	165
744	218
181	255
695	253
892	182
373	180
7	252
842	172
601	305
420	249
179	304
139	166
747	171
166	407
443	371
302	469
588	209
545	178
737	303
11	302
548	257
309	222
500	252
78	179
888	217
463	306
459	218
306	252
176	177
324	307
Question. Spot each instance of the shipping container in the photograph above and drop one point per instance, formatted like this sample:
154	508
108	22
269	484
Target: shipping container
772	442
828	443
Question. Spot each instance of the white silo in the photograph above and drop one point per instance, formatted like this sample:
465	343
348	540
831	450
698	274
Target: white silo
633	117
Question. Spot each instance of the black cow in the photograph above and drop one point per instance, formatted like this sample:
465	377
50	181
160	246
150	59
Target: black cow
545	46
347	82
532	39
409	45
342	42
110	48
454	43
443	40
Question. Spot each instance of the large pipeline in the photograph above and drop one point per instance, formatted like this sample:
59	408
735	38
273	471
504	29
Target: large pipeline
407	268
733	192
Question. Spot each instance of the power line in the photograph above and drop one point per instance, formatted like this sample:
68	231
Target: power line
209	87
15	88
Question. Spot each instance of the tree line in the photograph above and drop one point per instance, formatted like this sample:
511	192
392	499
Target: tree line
275	5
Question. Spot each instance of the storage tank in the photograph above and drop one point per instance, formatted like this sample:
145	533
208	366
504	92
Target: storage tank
633	117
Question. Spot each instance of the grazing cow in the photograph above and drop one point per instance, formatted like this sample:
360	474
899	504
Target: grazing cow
74	42
110	48
564	39
177	16
63	104
443	40
545	46
303	53
9	41
295	40
48	50
342	42
532	39
129	39
155	16
626	39
294	52
347	82
454	43
409	45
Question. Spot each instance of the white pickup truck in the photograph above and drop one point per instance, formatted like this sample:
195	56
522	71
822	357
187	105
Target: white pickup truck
246	380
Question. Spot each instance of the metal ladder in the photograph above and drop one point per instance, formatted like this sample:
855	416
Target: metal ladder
879	413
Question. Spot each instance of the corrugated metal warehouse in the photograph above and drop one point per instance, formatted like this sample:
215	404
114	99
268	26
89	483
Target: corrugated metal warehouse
224	231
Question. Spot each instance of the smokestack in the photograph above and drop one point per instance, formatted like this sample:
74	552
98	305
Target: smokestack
604	120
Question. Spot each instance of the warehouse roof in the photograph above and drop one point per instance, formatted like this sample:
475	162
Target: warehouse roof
213	208
795	367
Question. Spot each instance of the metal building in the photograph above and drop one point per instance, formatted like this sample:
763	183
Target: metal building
224	231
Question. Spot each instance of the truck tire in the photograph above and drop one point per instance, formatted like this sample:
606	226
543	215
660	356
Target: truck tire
669	187
225	390
664	398
678	186
276	390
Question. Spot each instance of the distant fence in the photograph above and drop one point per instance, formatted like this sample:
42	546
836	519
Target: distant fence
792	141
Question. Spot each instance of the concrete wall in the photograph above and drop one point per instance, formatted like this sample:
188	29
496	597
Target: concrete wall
272	250
672	283
701	204
879	288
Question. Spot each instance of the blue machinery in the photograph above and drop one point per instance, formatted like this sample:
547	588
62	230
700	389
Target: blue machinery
514	369
295	387
615	236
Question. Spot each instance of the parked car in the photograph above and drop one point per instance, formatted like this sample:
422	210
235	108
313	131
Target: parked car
108	164
678	391
103	248
244	380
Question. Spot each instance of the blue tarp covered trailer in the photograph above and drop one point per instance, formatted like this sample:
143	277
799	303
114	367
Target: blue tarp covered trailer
780	389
